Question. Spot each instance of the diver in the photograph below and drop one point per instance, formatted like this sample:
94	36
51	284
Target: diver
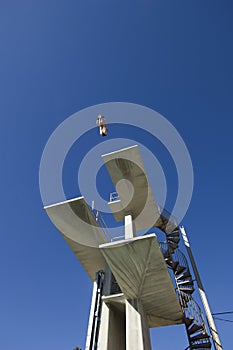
101	123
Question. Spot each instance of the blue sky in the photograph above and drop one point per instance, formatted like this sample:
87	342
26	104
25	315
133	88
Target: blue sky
58	57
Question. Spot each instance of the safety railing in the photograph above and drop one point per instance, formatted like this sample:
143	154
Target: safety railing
165	249
178	256
191	309
167	215
114	197
99	218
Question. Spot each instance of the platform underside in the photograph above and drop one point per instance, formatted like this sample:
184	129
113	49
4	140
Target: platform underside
79	228
141	272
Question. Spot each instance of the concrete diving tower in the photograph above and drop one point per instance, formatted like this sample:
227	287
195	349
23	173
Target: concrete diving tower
145	295
148	297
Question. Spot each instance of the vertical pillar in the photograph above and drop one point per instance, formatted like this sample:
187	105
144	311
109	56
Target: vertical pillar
129	227
104	328
213	329
137	331
112	328
123	326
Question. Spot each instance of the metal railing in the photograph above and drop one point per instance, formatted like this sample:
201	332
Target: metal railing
178	256
114	197
165	249
165	213
192	310
109	237
99	218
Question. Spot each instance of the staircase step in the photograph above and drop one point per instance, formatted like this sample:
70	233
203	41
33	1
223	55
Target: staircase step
167	255
172	264
174	234
201	346
185	283
172	245
188	321
173	239
179	269
199	336
183	275
195	327
188	290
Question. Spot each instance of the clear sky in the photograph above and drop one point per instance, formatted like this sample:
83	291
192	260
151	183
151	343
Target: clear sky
58	57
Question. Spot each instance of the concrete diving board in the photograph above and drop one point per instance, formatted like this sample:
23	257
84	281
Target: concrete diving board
136	198
129	178
76	223
141	272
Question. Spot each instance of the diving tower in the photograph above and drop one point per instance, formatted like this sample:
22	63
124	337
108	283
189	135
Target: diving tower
133	290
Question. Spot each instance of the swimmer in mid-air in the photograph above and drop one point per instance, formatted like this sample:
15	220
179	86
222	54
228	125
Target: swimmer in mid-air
101	123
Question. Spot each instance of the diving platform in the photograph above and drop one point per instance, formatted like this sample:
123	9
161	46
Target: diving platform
141	272
136	198
77	224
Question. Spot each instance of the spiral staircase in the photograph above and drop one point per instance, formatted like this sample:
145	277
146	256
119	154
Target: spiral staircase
193	318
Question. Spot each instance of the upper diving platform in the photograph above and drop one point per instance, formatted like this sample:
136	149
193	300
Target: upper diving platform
136	198
77	224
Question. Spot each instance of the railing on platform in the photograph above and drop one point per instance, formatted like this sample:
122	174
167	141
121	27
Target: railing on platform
114	197
99	218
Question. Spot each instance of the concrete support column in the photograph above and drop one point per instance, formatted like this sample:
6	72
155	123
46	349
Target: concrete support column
112	328
123	326
104	328
137	331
